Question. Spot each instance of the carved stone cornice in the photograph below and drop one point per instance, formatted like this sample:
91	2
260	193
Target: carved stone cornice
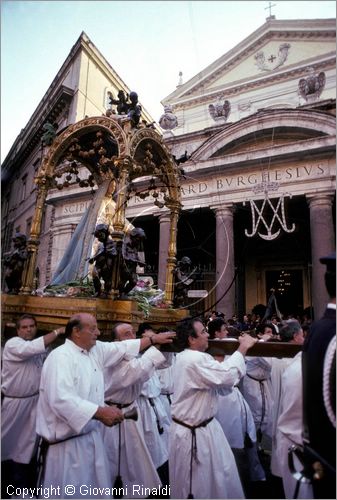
250	85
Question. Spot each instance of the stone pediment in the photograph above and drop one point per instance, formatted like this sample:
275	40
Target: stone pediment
273	56
276	46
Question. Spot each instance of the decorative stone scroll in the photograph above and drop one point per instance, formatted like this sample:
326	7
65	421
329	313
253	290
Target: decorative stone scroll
271	62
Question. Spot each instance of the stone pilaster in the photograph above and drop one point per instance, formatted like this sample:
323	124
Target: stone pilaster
322	243
225	269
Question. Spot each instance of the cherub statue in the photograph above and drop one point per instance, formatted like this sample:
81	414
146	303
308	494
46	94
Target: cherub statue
103	260
132	245
135	109
121	102
49	133
184	277
15	262
128	105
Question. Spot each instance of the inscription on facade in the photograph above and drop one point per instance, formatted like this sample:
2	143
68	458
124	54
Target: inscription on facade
242	181
247	181
75	208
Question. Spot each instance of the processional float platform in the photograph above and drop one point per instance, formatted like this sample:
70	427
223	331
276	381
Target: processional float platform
54	312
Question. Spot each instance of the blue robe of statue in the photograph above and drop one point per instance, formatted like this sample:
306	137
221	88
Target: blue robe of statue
74	264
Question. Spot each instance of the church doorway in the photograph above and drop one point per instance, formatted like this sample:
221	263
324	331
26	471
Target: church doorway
288	286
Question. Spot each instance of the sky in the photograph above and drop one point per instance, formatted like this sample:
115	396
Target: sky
146	42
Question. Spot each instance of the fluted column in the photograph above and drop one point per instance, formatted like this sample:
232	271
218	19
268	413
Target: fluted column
164	240
322	243
225	269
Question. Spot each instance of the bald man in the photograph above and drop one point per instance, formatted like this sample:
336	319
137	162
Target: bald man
71	409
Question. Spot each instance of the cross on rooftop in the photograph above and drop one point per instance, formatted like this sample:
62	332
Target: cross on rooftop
270	7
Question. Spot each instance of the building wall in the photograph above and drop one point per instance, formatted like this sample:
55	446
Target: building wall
90	78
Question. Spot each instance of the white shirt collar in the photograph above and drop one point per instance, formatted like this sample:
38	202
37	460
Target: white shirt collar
331	305
76	347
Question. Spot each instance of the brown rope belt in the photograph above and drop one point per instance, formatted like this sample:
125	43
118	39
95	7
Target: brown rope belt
20	397
153	405
119	405
42	454
168	395
194	449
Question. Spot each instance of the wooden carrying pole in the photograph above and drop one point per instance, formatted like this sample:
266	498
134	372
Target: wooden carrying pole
228	346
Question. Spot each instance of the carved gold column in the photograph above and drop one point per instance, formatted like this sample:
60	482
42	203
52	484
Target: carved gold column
174	208
119	222
34	239
164	239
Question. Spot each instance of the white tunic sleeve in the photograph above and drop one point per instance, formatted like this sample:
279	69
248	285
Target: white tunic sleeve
110	353
209	373
17	349
134	371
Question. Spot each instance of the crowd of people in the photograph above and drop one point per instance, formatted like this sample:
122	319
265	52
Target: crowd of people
123	419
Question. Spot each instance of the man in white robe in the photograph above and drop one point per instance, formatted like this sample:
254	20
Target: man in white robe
23	357
236	419
127	452
201	462
290	427
155	424
155	419
165	376
292	333
257	391
71	409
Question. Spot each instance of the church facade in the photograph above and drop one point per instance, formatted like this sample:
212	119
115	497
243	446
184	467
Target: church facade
257	131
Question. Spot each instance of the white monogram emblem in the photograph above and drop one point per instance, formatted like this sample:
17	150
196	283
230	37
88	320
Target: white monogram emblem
262	213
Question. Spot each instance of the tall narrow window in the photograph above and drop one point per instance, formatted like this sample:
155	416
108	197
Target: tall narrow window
108	95
28	226
5	207
8	237
23	187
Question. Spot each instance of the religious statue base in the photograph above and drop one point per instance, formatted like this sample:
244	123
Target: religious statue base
54	312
